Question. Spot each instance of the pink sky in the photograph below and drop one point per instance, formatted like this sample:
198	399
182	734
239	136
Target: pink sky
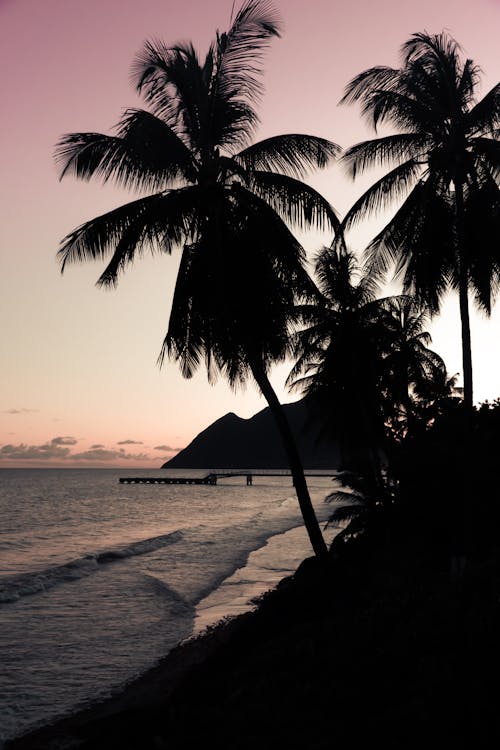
78	364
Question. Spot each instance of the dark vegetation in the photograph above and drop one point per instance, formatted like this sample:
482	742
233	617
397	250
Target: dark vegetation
391	635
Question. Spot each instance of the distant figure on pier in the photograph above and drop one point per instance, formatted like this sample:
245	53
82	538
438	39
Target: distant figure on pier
249	480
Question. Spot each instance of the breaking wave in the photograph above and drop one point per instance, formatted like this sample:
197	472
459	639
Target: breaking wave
24	584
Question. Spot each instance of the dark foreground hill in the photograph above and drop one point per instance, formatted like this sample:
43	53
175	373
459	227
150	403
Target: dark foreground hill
233	442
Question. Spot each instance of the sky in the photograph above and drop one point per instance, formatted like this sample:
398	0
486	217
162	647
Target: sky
79	380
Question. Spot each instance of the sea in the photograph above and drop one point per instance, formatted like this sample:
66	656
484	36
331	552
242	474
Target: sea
100	580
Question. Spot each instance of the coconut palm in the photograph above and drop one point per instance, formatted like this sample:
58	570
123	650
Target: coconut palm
228	204
445	168
364	360
337	359
413	374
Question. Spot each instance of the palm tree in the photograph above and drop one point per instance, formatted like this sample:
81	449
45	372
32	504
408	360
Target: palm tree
337	360
226	203
413	374
365	361
445	165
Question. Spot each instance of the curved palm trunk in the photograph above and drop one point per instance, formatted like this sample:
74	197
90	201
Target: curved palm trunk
463	295
299	480
458	536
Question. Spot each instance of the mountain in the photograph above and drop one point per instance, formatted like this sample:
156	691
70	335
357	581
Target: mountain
235	443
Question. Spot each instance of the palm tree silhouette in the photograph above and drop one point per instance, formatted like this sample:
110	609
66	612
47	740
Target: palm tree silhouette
337	360
414	374
447	161
364	361
226	203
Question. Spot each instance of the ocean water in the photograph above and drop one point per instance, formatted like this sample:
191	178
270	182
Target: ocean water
99	580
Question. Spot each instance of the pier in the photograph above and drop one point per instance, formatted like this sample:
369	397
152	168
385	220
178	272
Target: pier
211	479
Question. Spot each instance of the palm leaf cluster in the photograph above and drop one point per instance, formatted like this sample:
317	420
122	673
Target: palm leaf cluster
361	505
364	361
443	171
228	204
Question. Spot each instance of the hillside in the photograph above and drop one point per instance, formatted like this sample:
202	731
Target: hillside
232	442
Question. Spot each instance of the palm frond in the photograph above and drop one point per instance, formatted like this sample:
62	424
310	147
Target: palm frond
424	46
161	220
373	79
291	154
380	152
172	81
146	154
400	109
236	85
419	241
184	340
469	80
482	228
487	153
295	201
346	513
484	117
393	186
343	498
240	50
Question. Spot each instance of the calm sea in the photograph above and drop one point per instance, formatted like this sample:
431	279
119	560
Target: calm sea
99	580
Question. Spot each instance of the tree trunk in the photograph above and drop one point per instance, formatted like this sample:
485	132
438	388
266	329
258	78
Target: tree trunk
458	551
299	480
463	294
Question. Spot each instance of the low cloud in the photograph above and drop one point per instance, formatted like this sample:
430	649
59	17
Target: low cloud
103	454
96	445
46	452
58	451
130	442
167	448
64	441
20	411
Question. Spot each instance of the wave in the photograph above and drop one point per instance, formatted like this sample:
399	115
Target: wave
25	584
178	605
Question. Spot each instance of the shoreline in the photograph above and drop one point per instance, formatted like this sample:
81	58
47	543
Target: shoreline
236	594
143	693
218	616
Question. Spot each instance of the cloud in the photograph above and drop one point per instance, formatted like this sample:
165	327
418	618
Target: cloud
64	441
20	411
45	452
167	448
130	442
103	454
60	452
96	445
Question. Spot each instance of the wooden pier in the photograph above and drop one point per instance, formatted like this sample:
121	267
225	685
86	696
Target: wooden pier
211	479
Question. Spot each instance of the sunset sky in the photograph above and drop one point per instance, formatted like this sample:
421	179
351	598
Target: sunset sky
79	381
